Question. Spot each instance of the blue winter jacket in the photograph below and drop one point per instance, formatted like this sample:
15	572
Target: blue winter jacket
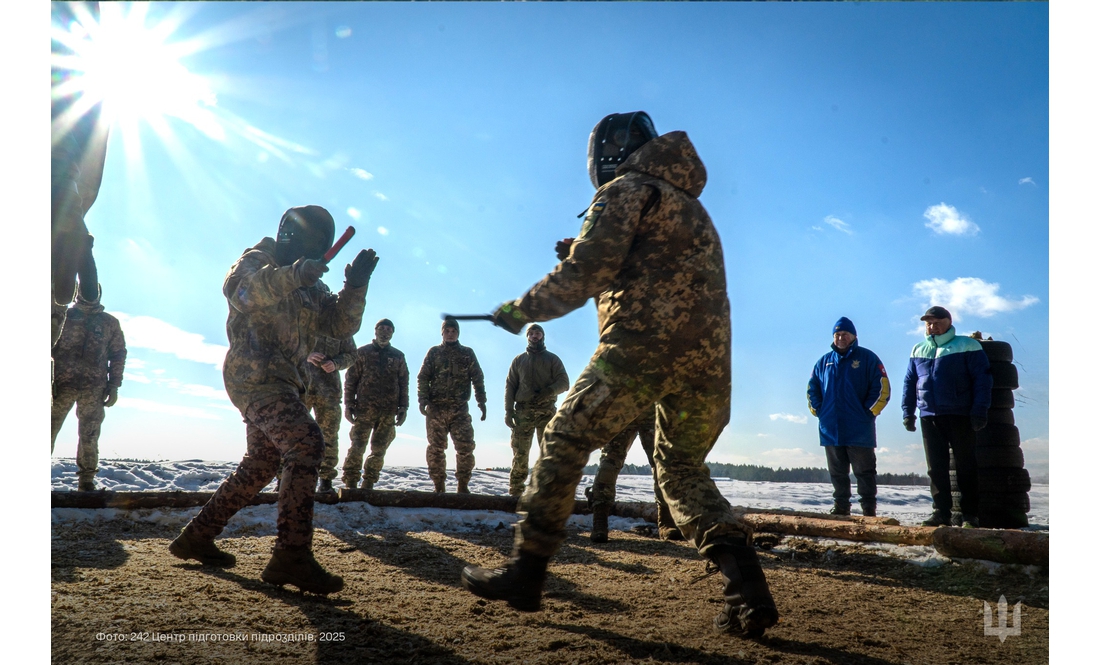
847	391
947	375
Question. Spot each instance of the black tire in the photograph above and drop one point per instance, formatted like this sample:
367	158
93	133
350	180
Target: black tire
1001	417
1005	375
997	436
1000	480
1002	399
1005	457
1002	518
1013	500
997	351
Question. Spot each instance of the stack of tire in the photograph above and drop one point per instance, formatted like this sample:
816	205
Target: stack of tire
1003	482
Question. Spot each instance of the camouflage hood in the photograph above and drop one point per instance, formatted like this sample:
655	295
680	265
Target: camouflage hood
672	158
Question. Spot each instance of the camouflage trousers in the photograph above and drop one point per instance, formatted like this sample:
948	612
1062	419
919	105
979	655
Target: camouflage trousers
277	431
601	405
452	419
613	457
89	417
530	420
380	431
326	411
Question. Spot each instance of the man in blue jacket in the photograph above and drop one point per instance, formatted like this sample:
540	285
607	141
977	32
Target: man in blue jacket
847	391
949	381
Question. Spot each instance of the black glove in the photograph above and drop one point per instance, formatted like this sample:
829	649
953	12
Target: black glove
358	272
309	271
510	318
424	409
510	419
112	396
401	414
910	423
349	413
977	423
562	248
482	407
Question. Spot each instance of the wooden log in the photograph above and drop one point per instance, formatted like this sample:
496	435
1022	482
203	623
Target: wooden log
134	500
844	530
1001	545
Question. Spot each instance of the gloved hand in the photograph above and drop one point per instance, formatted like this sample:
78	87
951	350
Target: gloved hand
910	423
562	248
349	413
401	414
358	272
510	419
309	271
112	396
482	407
424	409
510	318
977	423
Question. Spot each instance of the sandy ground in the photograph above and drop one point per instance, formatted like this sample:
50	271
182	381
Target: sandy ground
119	596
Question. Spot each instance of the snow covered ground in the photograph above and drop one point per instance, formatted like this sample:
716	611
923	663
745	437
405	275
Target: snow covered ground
908	504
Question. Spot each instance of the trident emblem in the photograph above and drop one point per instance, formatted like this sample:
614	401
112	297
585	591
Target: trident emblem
1002	630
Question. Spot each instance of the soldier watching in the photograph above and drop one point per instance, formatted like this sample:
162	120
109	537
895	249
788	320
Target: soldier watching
89	359
323	367
376	401
443	391
535	379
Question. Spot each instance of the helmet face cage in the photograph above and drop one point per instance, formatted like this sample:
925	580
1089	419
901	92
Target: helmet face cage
307	232
613	140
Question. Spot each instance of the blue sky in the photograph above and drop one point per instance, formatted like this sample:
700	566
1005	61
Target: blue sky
864	160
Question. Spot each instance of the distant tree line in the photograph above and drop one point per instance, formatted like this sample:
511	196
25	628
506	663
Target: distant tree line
765	474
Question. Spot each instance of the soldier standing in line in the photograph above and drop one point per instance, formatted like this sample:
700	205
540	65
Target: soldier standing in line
323	396
535	379
443	391
376	401
651	257
276	314
601	495
89	358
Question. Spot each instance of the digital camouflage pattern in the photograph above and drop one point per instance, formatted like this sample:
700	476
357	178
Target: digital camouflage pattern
530	420
89	359
613	457
323	396
274	323
375	389
650	255
446	376
535	379
279	431
326	412
453	419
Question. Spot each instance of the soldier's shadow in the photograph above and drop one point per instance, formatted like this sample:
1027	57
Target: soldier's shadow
645	650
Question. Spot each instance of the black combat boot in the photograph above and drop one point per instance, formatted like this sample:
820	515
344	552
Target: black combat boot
187	546
324	485
937	519
869	508
839	508
440	486
519	582
749	608
85	484
296	566
464	487
599	523
666	526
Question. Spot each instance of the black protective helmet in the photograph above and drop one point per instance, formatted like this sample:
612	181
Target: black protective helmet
304	231
613	139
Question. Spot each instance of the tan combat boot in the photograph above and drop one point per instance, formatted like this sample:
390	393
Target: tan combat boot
296	566
188	546
463	487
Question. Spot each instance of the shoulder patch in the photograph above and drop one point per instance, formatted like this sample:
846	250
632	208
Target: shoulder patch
590	219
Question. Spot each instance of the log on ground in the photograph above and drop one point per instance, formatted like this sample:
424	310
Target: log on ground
1001	545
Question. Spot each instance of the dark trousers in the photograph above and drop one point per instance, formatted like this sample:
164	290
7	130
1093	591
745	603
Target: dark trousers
862	462
942	436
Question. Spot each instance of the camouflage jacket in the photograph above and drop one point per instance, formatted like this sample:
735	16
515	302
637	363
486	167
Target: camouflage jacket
651	257
446	375
91	351
533	371
339	351
274	323
378	380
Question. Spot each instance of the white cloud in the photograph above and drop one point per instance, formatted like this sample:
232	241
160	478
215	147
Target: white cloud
817	228
146	332
945	219
789	417
135	363
198	390
763	435
354	213
790	457
410	437
380	196
1027	181
136	377
159	407
968	295
838	224
383	231
361	174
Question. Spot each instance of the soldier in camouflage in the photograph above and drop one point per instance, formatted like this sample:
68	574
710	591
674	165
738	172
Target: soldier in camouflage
535	379
89	359
376	401
602	493
276	314
651	257
323	367
443	391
